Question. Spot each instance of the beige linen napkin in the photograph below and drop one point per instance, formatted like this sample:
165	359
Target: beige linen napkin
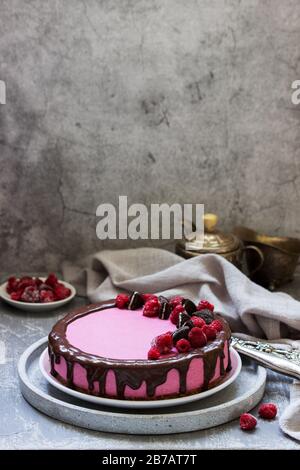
249	308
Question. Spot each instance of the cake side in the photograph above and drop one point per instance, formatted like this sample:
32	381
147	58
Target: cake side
170	375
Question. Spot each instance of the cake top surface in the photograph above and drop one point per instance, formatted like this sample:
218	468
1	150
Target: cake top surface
138	328
116	334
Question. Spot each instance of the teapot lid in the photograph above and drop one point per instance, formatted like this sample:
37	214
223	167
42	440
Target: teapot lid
214	241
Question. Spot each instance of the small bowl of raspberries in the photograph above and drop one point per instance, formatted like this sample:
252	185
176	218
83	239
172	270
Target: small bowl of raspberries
37	293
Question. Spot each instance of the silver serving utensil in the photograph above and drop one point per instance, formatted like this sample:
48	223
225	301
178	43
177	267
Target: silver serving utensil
284	361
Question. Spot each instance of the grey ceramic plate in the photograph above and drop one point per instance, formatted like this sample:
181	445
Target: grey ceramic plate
224	406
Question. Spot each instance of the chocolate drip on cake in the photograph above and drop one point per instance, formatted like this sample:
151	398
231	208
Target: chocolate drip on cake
102	381
228	369
90	377
70	370
222	368
210	362
52	361
131	373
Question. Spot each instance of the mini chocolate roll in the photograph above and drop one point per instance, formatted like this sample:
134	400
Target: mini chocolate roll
206	314
163	299
189	306
182	319
182	332
189	323
164	310
136	301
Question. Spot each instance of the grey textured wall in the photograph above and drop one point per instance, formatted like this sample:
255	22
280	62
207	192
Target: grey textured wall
160	100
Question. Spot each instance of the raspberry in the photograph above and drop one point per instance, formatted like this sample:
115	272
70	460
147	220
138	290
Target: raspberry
147	297
26	281
46	296
197	321
164	342
122	301
38	282
44	286
30	294
12	284
204	304
174	317
51	280
247	422
183	345
209	332
267	410
153	353
16	295
197	337
61	292
151	308
216	325
177	300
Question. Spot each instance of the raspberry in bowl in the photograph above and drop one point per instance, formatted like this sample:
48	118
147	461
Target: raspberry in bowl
37	293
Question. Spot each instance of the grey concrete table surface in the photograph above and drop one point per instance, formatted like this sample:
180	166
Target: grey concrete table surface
23	427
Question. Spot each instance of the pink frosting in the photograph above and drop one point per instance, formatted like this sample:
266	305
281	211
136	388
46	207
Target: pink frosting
116	334
127	334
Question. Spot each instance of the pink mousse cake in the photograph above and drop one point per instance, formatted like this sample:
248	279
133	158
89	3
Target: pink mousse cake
141	347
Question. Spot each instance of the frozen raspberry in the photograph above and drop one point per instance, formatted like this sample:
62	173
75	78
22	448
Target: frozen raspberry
30	294
147	297
247	422
16	295
153	353
38	282
204	304
209	332
174	317
26	281
183	345
197	337
51	280
197	321
46	296
44	286
151	308
177	300
122	301
61	292
267	410
216	325
12	284
164	342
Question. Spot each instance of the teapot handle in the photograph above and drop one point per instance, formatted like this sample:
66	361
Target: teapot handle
261	257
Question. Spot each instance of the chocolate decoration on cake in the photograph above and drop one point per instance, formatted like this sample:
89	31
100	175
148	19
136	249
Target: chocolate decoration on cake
206	315
163	299
133	373
180	333
182	319
189	323
189	306
136	301
165	308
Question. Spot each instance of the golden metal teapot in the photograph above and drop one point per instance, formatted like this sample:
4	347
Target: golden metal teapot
227	245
